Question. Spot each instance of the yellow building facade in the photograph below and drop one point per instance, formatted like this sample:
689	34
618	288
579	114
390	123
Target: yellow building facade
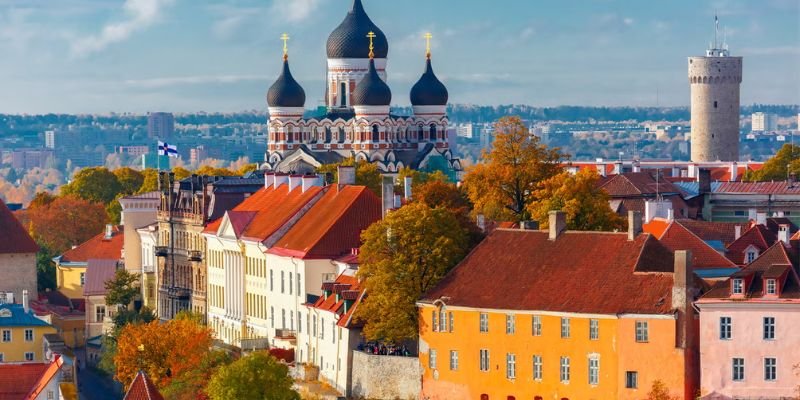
21	334
70	280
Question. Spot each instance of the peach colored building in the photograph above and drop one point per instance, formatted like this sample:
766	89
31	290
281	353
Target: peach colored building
749	337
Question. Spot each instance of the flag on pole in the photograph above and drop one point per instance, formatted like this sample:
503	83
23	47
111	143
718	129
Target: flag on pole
165	149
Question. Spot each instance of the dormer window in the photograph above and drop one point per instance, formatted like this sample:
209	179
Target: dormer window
738	286
750	256
772	286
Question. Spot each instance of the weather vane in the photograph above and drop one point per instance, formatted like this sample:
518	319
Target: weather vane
285	38
428	37
371	35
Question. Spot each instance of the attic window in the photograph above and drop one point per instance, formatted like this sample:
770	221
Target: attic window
772	287
5	313
751	255
738	286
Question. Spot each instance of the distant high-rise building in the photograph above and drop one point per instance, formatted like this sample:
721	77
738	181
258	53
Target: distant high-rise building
764	122
160	125
714	80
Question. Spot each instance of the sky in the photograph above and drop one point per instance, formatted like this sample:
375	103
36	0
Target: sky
100	56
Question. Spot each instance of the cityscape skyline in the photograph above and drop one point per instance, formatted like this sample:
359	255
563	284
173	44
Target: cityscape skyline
91	56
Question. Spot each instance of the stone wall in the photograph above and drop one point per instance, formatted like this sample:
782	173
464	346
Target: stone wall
714	83
385	377
19	273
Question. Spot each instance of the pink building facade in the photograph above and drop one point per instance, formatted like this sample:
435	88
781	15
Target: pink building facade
749	336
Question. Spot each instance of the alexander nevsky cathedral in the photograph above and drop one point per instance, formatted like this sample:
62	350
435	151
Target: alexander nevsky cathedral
356	121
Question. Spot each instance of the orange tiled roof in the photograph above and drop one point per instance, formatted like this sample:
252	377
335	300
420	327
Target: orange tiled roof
15	239
97	247
776	263
758	236
17	380
45	378
333	225
348	288
656	227
724	232
637	184
142	388
583	272
678	237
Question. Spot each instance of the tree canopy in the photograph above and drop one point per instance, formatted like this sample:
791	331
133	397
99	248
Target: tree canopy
123	288
65	222
584	203
150	181
257	376
503	186
212	171
96	184
402	257
130	180
778	168
367	174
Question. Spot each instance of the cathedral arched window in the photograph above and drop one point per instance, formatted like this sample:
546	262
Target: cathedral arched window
343	94
341	135
327	135
289	135
433	132
375	134
420	133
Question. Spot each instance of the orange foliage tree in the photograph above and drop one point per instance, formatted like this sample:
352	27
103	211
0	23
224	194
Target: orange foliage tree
65	221
165	351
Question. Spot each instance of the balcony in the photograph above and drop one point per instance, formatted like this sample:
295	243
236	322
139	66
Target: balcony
195	255
285	333
161	251
179	293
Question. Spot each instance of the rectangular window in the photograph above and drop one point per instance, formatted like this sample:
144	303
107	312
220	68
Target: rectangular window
772	287
725	328
272	317
536	323
283	283
594	370
631	379
484	359
751	255
83	278
511	366
299	322
642	335
99	313
28	335
453	360
291	282
510	324
484	324
450	314
333	332
28	356
564	327
769	328
594	329
564	369
537	367
298	284
271	281
6	335
322	328
442	320
738	369
434	324
770	369
1	358
738	286
432	359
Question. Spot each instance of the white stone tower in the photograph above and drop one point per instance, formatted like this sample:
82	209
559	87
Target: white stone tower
714	80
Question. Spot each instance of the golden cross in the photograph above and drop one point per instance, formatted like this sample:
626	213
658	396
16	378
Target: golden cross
285	38
371	35
428	37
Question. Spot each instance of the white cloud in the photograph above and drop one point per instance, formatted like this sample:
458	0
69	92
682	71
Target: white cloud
157	83
295	10
527	33
140	14
628	21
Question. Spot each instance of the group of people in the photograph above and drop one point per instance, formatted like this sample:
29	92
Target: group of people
385	350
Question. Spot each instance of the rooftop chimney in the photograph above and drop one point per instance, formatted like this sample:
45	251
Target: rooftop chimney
347	175
761	218
557	223
25	301
634	224
529	225
407	181
310	181
637	167
617	167
109	233
783	233
734	169
737	232
269	179
387	189
704	179
279	180
295	181
683	293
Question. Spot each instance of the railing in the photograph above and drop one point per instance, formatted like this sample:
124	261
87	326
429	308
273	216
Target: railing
195	255
161	251
181	216
177	292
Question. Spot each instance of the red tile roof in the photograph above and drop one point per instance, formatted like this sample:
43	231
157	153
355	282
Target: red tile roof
583	272
142	388
97	247
724	232
637	184
17	380
47	376
656	227
758	236
333	225
98	272
348	288
780	187
14	239
678	237
775	262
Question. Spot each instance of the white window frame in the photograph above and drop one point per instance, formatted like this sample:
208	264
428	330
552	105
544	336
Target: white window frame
10	336
511	366
738	286
737	369
99	312
537	367
642	332
594	370
565	328
442	320
29	356
725	328
484	360
770	369
511	324
453	360
772	286
451	321
536	325
594	329
768	328
564	369
434	321
750	256
432	359
484	323
27	332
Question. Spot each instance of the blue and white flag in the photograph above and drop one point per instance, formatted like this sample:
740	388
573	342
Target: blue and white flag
165	149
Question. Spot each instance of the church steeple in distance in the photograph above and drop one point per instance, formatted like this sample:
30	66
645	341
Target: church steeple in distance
286	92
429	90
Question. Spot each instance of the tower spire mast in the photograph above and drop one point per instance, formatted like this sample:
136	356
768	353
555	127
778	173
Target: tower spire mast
371	35
285	38
428	37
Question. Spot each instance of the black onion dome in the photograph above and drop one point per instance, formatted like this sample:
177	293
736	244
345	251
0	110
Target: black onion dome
429	90
286	92
349	39
372	90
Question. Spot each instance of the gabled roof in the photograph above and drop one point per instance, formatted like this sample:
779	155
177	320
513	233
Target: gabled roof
582	272
98	272
49	373
15	315
97	247
142	388
348	289
637	184
724	232
757	235
17	380
15	239
678	237
333	225
775	262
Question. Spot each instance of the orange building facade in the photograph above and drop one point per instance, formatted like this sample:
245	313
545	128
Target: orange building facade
517	320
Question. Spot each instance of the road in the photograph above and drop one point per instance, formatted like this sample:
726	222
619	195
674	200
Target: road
93	385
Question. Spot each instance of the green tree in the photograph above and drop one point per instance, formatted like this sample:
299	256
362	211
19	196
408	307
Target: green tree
503	186
438	192
96	184
129	179
367	174
585	205
192	385
403	256
45	269
123	289
212	171
114	210
181	173
256	376
149	181
777	168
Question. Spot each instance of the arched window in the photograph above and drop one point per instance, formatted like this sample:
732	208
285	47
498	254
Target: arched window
341	135
289	135
376	136
343	94
327	135
484	396
433	133
420	133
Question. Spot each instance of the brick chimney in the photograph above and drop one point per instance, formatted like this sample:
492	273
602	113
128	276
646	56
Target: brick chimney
347	175
634	224
295	181
310	181
683	292
557	223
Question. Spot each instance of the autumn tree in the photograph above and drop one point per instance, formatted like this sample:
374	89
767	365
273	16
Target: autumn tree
65	222
778	168
212	171
192	385
181	173
403	256
247	168
367	174
257	376
659	391
41	199
96	184
503	186
578	196
149	181
130	180
165	351
437	192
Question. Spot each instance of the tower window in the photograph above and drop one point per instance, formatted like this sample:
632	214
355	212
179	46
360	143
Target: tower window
343	94
375	134
715	104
